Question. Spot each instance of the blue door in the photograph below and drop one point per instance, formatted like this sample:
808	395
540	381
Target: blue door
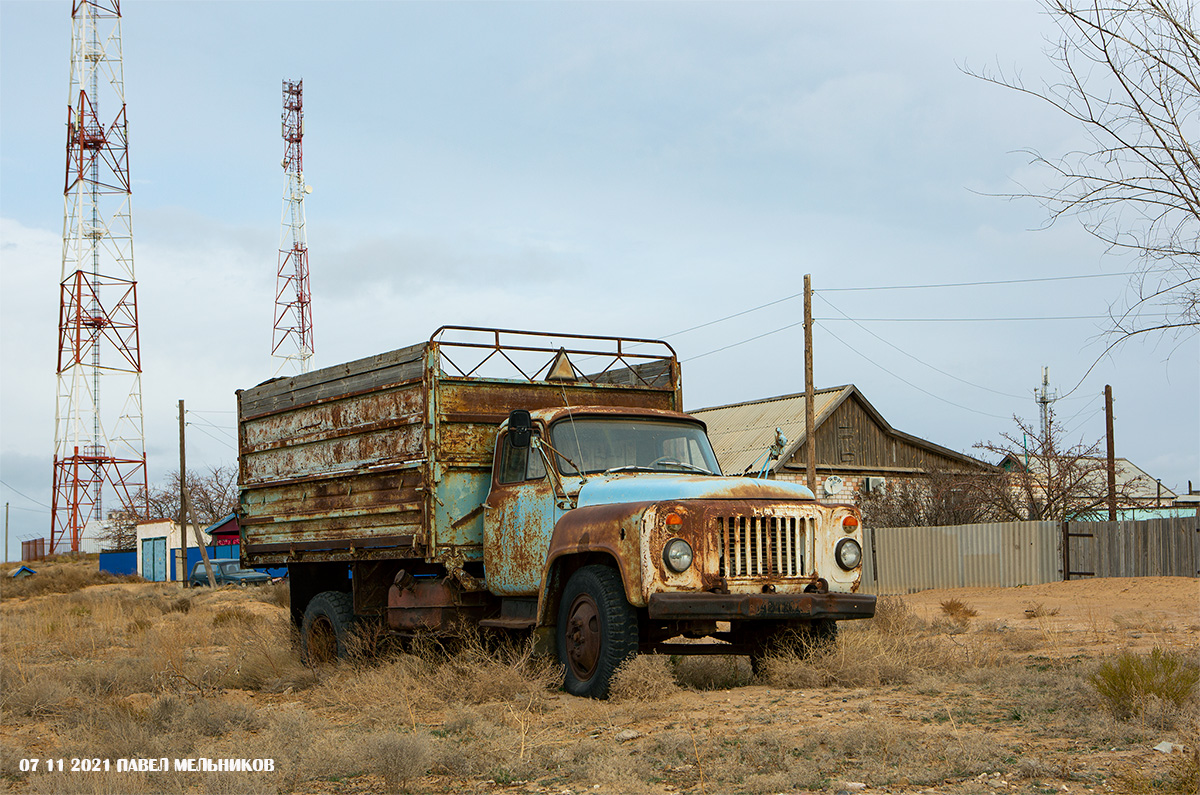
154	559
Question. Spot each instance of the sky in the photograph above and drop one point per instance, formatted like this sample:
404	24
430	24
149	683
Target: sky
632	169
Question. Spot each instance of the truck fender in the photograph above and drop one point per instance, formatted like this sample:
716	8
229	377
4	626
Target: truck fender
608	534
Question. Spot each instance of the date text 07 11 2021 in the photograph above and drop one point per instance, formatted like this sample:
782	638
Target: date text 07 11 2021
139	765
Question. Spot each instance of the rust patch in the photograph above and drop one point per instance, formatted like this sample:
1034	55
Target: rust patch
436	605
598	528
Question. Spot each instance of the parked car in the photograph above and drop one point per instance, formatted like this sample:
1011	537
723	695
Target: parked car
227	572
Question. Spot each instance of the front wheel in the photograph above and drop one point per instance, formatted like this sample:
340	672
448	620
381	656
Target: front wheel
325	632
597	630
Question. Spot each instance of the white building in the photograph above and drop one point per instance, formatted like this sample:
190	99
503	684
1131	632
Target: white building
157	542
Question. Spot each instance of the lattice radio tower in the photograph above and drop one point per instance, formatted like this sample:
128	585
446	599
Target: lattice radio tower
292	340
98	345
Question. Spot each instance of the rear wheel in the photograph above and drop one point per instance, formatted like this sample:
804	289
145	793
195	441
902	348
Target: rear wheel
325	632
597	630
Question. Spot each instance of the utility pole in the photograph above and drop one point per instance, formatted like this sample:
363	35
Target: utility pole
810	412
6	532
1112	460
183	575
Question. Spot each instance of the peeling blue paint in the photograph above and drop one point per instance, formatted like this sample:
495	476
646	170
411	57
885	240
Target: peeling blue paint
648	487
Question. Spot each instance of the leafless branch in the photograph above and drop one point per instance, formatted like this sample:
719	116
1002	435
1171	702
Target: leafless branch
1130	75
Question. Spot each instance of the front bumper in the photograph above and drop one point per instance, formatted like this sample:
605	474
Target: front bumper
754	606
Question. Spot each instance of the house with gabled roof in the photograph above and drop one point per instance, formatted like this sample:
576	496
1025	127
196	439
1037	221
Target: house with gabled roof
856	448
1138	494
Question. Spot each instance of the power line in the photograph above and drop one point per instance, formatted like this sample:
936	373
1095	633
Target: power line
225	430
31	510
914	358
963	319
910	383
210	436
1084	421
904	287
26	496
743	342
976	284
1084	407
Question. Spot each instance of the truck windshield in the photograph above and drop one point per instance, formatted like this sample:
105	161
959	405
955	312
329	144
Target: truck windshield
621	444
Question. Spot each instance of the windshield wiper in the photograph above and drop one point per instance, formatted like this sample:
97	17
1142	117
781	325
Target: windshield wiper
630	468
672	462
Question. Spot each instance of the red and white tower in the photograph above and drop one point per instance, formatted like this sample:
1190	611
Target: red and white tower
98	345
292	340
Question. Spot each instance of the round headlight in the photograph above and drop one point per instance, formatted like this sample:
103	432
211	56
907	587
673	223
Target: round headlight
848	553
677	554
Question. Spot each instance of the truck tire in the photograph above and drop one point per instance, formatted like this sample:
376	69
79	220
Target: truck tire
325	632
597	630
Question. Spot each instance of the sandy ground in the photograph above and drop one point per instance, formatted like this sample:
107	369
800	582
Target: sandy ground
1082	615
1061	626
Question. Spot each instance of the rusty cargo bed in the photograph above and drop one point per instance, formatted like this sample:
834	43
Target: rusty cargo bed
390	456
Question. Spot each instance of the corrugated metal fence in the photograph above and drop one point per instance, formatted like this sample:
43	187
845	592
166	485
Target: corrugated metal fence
907	559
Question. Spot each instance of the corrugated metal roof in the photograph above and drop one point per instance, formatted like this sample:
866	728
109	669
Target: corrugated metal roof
1133	483
742	432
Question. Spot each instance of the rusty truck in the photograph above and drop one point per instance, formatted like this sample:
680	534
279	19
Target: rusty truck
521	482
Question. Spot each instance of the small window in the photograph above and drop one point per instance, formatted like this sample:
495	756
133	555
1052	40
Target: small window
518	464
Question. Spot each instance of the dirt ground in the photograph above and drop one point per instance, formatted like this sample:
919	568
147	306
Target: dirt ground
973	690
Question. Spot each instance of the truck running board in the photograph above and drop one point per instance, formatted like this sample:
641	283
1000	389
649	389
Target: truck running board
508	623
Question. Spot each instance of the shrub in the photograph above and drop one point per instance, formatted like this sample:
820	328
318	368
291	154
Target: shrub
712	671
893	616
958	610
399	757
1127	682
643	677
234	615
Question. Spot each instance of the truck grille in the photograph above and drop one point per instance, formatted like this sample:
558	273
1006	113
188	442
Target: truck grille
761	546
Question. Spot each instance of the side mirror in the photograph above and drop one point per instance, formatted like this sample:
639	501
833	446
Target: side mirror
520	428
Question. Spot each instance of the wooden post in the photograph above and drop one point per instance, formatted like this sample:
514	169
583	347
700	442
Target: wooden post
187	503
1066	551
810	412
184	574
1112	461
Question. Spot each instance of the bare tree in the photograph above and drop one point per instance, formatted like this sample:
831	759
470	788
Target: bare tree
1050	478
1130	75
939	498
214	496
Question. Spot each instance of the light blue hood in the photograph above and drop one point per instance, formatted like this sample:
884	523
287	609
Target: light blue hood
647	487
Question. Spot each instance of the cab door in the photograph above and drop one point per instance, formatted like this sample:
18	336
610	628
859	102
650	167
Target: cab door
518	520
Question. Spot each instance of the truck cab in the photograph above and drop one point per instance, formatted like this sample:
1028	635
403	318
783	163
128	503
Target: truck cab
621	524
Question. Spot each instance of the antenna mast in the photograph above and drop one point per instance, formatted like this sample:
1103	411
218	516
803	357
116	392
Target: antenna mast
1044	398
293	297
98	342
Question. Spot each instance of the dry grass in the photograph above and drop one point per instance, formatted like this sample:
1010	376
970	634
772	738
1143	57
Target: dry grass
898	702
1038	610
58	574
643	678
958	610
